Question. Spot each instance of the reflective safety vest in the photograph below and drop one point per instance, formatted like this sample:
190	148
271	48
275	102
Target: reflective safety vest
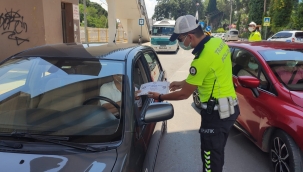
255	36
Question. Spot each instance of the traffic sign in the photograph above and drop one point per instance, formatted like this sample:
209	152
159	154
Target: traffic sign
141	22
208	28
266	21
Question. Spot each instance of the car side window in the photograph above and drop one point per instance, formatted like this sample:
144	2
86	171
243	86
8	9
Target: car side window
154	65
139	78
245	64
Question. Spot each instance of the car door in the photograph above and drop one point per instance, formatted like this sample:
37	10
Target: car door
153	131
252	108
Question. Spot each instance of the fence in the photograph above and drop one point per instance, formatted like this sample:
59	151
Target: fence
101	35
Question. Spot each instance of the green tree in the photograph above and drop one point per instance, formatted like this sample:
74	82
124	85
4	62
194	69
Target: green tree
297	18
238	22
220	30
177	8
95	14
256	8
281	11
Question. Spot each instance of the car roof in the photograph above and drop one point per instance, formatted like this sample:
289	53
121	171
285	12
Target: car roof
266	45
291	31
73	50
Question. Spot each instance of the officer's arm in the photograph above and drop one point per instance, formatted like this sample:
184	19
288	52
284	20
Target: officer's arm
184	93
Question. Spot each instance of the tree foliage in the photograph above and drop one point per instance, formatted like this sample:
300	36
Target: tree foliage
256	8
280	11
177	8
297	19
95	14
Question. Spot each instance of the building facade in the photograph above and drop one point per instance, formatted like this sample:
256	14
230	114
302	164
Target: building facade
29	23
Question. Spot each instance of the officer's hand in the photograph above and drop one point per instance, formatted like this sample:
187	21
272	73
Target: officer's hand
153	95
136	94
175	85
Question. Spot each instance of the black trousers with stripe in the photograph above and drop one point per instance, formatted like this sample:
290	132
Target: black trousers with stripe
213	135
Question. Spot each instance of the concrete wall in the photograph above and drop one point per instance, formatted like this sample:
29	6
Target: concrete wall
28	23
21	26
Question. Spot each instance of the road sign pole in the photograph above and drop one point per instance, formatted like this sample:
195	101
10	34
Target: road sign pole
141	35
265	32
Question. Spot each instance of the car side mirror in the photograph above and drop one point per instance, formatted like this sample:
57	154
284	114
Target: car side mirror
251	83
157	112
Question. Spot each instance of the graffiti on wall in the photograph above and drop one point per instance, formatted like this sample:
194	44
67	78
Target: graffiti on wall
12	24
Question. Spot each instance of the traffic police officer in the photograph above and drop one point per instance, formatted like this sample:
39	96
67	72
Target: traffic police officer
211	73
255	34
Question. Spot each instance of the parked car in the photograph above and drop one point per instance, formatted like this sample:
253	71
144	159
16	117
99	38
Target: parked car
50	113
287	36
220	35
231	35
270	101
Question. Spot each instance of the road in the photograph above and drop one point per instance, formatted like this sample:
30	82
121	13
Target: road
180	147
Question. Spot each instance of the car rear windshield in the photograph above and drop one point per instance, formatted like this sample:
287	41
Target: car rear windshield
50	96
234	32
282	35
299	34
287	65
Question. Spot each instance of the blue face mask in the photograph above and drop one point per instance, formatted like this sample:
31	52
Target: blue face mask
253	66
181	44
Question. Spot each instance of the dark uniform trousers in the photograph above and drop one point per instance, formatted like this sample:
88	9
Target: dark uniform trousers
213	134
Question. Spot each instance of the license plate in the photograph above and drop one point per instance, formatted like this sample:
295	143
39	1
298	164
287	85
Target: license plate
162	47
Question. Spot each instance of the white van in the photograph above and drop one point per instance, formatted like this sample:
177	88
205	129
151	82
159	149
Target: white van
231	35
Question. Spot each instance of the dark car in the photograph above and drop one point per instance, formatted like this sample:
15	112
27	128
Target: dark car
268	78
52	117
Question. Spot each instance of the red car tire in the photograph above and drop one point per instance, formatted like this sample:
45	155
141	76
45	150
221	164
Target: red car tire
284	153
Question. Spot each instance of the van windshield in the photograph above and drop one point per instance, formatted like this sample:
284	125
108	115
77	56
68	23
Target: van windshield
162	30
234	32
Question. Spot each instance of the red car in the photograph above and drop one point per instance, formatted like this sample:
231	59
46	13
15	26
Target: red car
268	78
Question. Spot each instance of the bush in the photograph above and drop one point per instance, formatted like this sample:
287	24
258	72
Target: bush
220	30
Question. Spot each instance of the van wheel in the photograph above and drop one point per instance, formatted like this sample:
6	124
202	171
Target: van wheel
284	153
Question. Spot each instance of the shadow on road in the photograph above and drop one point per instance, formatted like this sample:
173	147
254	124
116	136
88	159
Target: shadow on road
180	151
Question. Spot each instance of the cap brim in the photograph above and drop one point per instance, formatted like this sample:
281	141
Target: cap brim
174	36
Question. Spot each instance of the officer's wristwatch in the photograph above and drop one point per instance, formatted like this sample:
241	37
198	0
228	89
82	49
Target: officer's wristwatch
159	98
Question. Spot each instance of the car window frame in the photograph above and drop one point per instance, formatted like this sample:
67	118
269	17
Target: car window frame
161	71
271	90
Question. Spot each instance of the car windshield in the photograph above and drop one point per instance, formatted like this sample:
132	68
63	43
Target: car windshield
163	30
282	35
61	97
287	65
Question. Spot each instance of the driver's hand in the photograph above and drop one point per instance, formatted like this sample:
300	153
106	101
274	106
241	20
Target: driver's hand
136	94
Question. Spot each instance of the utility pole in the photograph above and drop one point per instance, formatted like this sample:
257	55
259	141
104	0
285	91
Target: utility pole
264	8
231	11
85	21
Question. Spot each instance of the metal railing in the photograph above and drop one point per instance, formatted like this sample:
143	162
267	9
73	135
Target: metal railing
101	35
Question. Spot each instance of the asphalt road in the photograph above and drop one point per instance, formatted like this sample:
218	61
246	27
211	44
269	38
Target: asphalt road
180	146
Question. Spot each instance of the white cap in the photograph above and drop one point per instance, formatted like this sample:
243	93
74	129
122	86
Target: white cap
184	24
252	23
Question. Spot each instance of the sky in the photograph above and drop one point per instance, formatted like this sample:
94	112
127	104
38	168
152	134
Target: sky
149	4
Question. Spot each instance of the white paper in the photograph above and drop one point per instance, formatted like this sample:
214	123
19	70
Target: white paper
159	87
